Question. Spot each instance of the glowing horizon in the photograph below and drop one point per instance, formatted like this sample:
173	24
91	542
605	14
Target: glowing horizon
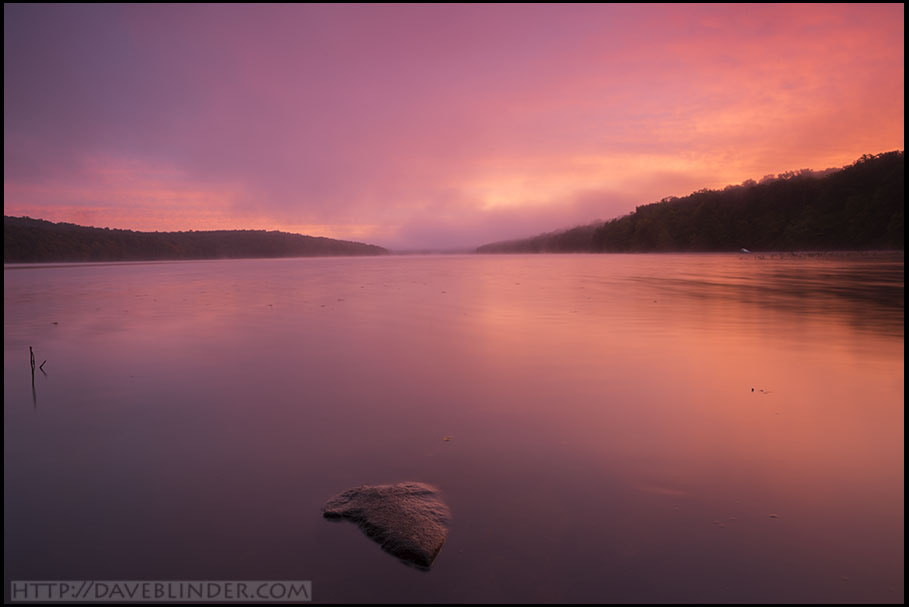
429	126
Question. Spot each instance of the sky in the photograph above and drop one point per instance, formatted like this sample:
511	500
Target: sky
429	126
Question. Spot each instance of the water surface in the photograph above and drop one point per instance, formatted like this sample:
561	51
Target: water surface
623	428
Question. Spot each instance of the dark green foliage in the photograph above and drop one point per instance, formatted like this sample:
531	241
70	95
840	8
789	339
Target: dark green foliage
857	208
36	240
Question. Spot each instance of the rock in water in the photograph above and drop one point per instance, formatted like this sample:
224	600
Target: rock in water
408	520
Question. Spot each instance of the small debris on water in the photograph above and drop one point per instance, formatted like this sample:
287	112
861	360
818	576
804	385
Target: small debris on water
774	516
446	438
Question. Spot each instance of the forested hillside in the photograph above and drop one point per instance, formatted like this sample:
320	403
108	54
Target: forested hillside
36	240
857	208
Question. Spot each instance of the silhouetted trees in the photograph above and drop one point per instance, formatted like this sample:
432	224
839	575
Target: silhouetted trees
575	240
857	208
36	240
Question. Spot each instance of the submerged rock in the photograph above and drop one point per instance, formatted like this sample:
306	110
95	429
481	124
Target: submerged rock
408	520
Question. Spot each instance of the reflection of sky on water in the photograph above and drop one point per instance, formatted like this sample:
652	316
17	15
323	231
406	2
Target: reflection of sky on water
606	444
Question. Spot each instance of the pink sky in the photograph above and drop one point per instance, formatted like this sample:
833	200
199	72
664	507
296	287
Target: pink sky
433	126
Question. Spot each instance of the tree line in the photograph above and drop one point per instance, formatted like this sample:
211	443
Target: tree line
859	207
35	240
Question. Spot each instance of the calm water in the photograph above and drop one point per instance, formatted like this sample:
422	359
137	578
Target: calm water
649	428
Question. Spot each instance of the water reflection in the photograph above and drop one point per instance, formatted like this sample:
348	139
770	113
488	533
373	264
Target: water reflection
868	293
626	424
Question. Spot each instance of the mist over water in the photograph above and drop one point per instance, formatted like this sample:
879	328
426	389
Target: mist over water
622	428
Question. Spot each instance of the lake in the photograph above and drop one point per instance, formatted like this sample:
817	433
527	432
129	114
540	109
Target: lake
622	428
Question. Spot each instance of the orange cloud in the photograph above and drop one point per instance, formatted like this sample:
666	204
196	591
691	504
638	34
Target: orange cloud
468	120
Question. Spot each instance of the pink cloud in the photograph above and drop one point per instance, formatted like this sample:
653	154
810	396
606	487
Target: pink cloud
409	125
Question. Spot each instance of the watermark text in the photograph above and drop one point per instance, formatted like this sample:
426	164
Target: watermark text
97	591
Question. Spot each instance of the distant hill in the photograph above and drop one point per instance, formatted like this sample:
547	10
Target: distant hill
859	207
35	240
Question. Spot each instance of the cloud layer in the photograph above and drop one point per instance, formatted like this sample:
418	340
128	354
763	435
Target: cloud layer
429	126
